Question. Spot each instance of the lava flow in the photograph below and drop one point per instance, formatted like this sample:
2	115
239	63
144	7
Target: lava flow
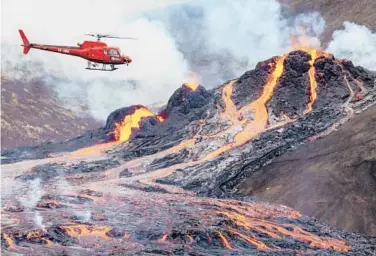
124	129
251	128
312	80
83	230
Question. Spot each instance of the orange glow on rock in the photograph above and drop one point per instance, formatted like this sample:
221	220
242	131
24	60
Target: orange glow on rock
192	83
123	130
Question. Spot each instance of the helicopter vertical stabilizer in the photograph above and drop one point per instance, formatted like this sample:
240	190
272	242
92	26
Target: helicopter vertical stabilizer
26	43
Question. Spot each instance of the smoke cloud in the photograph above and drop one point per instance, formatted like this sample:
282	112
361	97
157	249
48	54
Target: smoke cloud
157	68
356	43
216	40
32	193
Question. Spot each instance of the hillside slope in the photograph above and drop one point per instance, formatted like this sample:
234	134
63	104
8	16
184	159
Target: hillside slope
332	179
32	114
336	12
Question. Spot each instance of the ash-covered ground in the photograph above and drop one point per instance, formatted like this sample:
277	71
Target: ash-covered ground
165	183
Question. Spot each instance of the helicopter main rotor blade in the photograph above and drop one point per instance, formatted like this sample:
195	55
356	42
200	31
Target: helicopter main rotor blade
109	36
119	37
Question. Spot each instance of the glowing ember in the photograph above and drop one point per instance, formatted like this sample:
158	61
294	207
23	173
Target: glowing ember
162	239
225	242
192	82
123	130
190	239
9	240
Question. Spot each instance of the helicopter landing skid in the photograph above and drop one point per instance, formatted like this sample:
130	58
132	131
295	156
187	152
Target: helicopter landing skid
94	66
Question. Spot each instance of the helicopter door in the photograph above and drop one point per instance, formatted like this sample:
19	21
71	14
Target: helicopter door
106	56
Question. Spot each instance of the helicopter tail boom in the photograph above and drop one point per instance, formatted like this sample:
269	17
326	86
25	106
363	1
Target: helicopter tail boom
26	43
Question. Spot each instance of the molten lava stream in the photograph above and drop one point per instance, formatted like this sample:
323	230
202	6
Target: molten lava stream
252	127
78	231
96	149
312	80
259	245
9	240
275	231
123	131
224	240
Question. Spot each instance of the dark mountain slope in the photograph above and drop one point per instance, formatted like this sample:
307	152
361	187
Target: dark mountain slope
336	12
332	179
31	114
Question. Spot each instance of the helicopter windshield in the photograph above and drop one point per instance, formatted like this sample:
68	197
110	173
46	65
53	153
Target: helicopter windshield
113	52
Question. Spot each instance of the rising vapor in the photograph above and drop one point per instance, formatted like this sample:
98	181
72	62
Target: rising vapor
216	40
356	43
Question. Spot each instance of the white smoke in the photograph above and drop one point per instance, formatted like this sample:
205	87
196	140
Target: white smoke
249	30
30	195
308	29
38	220
157	65
83	215
356	43
63	187
218	40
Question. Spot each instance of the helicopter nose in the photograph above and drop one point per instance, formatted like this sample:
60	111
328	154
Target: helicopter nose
127	59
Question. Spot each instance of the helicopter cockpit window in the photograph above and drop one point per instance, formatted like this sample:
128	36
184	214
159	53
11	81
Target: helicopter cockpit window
113	52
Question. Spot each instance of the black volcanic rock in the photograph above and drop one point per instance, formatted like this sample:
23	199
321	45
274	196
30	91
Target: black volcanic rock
334	176
331	84
249	86
118	115
185	99
49	171
357	72
291	95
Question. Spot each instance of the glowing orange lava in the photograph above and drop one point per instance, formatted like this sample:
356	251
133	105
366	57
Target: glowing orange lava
192	82
9	240
123	129
312	80
225	242
278	231
260	114
259	245
93	149
162	239
81	230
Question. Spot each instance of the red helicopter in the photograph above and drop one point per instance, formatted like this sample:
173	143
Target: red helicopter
95	52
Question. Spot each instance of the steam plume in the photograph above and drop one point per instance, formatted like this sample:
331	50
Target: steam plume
355	42
218	40
31	193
